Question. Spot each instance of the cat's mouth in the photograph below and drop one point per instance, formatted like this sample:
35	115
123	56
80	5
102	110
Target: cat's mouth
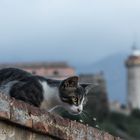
73	110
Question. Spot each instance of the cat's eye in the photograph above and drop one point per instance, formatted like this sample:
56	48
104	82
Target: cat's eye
74	99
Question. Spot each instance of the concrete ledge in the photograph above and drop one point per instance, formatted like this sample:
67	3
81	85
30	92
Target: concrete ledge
38	124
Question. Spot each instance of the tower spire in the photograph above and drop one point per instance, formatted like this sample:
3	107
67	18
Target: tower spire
134	44
135	50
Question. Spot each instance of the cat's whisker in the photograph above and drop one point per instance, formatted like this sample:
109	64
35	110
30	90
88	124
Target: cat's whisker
85	116
85	112
81	118
89	115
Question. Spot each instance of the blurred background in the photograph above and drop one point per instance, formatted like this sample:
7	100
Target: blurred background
95	39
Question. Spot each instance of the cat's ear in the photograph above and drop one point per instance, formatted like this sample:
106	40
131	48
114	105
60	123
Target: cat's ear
88	87
71	82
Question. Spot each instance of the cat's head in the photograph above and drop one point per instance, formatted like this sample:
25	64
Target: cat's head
73	95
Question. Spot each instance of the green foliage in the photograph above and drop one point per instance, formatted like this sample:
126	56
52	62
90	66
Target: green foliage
119	120
136	113
108	127
130	125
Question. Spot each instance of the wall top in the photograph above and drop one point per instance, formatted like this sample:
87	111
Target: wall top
27	116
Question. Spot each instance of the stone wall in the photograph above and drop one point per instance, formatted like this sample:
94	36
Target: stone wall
19	121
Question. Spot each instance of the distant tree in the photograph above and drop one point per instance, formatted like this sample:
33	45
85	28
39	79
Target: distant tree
136	113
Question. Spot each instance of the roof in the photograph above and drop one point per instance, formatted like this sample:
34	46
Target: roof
134	58
133	61
37	65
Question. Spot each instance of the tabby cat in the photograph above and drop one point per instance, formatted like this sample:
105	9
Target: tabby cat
42	92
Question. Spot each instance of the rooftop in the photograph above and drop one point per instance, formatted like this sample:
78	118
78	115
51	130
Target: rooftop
37	65
134	57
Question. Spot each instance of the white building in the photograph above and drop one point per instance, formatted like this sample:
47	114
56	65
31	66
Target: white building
133	79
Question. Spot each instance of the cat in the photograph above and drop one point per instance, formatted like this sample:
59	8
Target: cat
44	93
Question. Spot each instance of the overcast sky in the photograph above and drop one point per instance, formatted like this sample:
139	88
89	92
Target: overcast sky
80	31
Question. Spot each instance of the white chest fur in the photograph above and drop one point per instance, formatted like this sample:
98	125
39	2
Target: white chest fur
51	97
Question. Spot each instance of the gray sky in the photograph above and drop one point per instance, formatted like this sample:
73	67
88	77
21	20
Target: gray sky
80	31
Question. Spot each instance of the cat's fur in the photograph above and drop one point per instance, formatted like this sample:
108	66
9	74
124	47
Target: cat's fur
42	92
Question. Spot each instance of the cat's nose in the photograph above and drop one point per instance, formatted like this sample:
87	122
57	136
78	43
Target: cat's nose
79	110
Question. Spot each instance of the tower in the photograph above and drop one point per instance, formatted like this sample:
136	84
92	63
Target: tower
133	79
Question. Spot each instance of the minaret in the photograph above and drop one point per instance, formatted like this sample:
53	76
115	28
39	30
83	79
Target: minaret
133	79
